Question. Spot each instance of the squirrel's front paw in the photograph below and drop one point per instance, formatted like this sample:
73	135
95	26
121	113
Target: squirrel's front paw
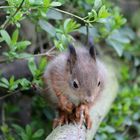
65	105
82	115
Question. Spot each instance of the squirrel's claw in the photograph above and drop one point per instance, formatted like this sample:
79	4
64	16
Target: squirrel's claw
82	114
63	119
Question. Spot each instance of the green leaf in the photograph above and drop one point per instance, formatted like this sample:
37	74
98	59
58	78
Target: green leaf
3	85
32	66
11	55
42	64
52	14
55	4
12	79
92	15
18	128
38	133
70	25
97	4
5	81
136	61
117	46
59	45
46	3
28	130
12	83
1	39
5	128
119	36
5	37
24	83
22	45
109	129
36	2
15	36
47	27
103	12
25	55
24	136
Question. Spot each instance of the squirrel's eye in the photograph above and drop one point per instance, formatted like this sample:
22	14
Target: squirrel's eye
75	84
99	83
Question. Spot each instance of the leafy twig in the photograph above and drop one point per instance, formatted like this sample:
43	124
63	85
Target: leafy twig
4	26
70	14
48	53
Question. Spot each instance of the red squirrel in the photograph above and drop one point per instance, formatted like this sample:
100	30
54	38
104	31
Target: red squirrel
73	80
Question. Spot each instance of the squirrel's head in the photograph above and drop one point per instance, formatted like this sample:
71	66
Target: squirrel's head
82	71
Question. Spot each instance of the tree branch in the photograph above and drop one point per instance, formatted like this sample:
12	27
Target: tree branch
68	132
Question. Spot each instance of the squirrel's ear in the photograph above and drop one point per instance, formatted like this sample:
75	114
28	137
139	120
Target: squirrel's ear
92	52
72	54
72	57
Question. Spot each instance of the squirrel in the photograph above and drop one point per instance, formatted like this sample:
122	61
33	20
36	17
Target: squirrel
72	81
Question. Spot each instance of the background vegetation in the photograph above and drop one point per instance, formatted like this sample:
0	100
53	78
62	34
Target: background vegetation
29	28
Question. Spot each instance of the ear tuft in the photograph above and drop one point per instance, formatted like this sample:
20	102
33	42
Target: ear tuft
72	50
72	53
92	52
72	58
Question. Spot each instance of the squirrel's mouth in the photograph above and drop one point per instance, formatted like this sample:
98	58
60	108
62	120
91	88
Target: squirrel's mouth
88	100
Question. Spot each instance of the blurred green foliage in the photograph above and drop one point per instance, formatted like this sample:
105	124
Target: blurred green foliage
105	23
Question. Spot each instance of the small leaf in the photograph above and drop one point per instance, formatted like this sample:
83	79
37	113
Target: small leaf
103	20
47	27
1	39
28	130
70	25
32	66
3	85
5	128
18	128
5	81
92	15
24	136
24	83
46	3
52	14
38	133
25	55
11	81
5	36
109	129
15	36
59	45
22	45
55	4
117	46
119	36
97	4
103	13
36	2
42	64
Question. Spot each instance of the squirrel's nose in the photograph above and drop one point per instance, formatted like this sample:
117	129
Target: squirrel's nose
89	99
